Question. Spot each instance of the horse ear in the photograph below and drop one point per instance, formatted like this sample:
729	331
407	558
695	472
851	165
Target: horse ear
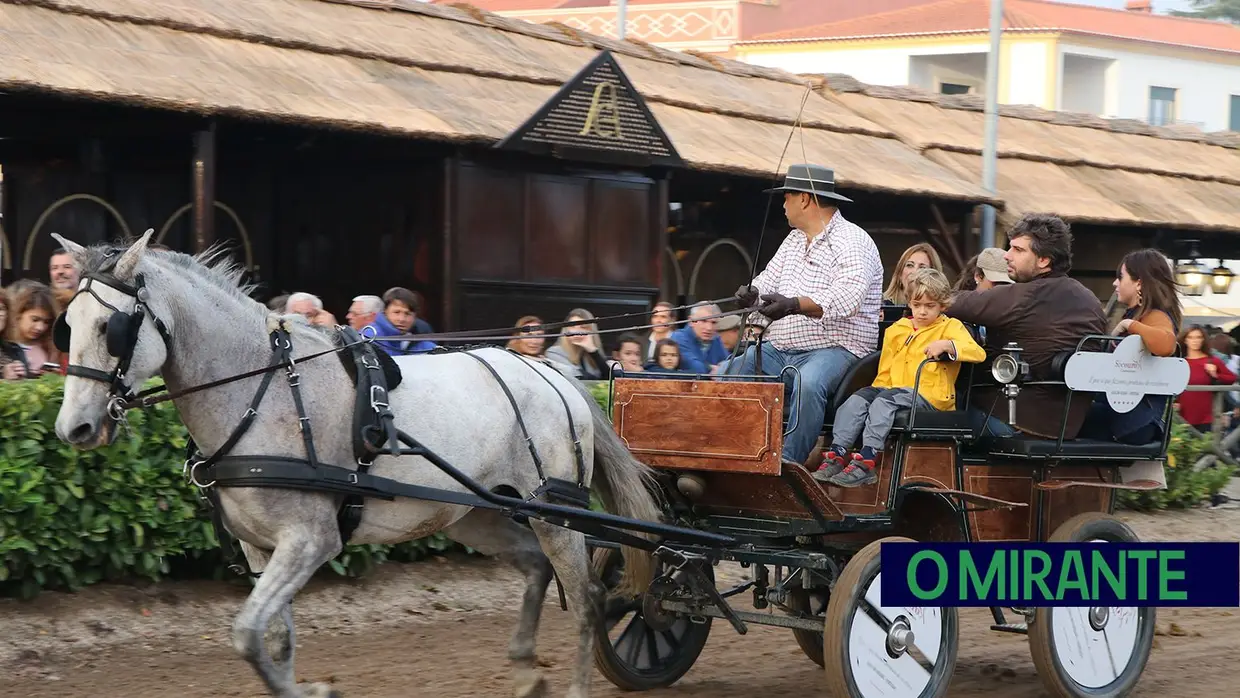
70	246
128	263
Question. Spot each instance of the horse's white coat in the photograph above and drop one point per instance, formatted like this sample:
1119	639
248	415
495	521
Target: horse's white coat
449	402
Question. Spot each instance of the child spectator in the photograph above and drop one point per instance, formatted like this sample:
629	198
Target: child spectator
628	354
31	312
400	312
870	412
666	357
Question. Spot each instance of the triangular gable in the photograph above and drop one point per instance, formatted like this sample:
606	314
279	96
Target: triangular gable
597	115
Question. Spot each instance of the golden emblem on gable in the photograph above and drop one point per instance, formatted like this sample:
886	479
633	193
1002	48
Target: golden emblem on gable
603	119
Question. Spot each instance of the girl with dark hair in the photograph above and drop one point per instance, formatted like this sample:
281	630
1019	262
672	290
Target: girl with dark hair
1143	283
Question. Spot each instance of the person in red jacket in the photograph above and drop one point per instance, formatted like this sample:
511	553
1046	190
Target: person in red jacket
1197	407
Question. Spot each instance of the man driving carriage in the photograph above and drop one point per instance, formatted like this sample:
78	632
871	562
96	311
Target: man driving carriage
822	292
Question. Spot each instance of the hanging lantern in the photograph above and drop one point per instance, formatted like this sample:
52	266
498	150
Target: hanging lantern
1192	278
1221	278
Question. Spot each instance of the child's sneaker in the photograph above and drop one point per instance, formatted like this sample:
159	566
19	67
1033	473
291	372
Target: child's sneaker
860	471
833	461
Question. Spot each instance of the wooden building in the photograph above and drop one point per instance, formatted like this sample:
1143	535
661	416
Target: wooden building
346	146
1121	184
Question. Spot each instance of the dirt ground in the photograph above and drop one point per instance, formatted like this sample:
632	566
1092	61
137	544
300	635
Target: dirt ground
440	629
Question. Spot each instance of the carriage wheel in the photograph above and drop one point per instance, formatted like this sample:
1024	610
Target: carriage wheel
637	647
809	603
873	650
1091	651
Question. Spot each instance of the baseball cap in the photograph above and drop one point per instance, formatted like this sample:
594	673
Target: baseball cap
728	322
992	265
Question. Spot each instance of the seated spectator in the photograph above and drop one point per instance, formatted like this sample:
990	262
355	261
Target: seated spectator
661	318
666	358
363	310
983	271
529	346
628	354
701	350
1045	312
578	350
729	330
12	358
1145	286
31	312
310	307
919	256
870	412
400	311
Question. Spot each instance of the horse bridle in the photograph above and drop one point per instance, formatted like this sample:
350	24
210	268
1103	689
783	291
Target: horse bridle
120	333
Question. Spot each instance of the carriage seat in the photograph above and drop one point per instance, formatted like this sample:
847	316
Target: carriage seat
1037	448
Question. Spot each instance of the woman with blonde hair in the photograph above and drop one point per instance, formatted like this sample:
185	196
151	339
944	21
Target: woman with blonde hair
919	256
32	310
529	346
579	349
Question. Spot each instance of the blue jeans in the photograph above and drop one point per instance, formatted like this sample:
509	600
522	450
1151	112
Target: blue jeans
993	426
820	373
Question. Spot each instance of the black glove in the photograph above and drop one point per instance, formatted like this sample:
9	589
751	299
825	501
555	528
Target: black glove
775	306
748	295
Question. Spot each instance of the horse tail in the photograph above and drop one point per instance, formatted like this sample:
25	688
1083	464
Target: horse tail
627	488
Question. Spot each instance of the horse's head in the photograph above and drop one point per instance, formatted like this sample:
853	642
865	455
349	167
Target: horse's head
114	341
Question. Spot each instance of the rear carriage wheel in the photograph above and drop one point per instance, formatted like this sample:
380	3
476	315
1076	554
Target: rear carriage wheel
874	650
638	646
1097	651
812	603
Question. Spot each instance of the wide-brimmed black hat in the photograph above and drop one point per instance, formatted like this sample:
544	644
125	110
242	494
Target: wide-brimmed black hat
810	179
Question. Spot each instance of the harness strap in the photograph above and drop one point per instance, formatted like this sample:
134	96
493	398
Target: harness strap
516	411
279	353
372	415
572	428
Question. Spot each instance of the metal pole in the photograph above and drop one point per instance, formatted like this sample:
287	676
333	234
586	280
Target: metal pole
992	121
622	17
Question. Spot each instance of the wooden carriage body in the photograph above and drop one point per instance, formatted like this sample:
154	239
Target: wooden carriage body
935	480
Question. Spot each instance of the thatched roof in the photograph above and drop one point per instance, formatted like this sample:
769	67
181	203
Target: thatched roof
432	71
1079	166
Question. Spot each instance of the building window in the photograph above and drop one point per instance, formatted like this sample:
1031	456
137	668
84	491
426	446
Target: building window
951	88
1162	106
1234	123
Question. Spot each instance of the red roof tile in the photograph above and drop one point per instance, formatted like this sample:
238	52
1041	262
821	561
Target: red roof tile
972	16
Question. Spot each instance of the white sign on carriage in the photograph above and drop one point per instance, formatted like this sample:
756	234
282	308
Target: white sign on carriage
1126	375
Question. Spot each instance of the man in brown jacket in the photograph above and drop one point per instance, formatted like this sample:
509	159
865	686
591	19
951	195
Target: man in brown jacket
1045	313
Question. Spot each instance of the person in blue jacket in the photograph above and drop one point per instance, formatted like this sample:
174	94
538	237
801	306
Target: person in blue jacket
400	313
701	350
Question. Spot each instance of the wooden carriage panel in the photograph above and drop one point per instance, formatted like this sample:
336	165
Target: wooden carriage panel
1010	483
728	426
1060	505
870	499
746	494
930	463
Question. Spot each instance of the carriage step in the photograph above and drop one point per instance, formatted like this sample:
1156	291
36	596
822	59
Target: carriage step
1018	628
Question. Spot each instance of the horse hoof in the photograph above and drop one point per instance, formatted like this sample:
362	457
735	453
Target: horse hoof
320	690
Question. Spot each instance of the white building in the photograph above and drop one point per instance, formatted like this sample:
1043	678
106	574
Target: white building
1129	63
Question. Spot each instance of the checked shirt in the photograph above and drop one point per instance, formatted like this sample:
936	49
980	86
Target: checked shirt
842	272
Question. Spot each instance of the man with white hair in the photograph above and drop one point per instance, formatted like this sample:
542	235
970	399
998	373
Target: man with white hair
310	306
363	311
701	349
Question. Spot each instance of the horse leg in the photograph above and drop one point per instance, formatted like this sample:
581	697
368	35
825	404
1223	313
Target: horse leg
492	533
289	567
281	637
571	560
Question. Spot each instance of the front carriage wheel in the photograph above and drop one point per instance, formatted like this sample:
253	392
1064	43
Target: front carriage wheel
1096	651
637	647
812	603
873	650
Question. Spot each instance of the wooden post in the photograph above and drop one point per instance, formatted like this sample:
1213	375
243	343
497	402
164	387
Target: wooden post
203	184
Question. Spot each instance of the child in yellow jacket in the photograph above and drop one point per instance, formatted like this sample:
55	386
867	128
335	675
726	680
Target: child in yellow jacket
870	412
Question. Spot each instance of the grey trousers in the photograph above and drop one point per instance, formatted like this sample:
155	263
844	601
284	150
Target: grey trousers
869	413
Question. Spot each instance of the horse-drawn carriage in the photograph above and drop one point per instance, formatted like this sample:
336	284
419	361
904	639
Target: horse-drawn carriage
380	469
813	549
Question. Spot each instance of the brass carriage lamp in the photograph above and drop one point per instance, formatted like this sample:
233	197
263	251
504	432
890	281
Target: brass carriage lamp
1221	278
1009	370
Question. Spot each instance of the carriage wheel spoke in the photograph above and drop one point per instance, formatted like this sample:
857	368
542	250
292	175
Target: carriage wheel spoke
652	647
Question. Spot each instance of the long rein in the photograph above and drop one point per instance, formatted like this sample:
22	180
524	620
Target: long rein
151	396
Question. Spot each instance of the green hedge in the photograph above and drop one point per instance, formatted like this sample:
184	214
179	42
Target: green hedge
69	518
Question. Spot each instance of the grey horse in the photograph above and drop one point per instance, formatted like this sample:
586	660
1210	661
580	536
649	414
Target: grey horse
448	402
